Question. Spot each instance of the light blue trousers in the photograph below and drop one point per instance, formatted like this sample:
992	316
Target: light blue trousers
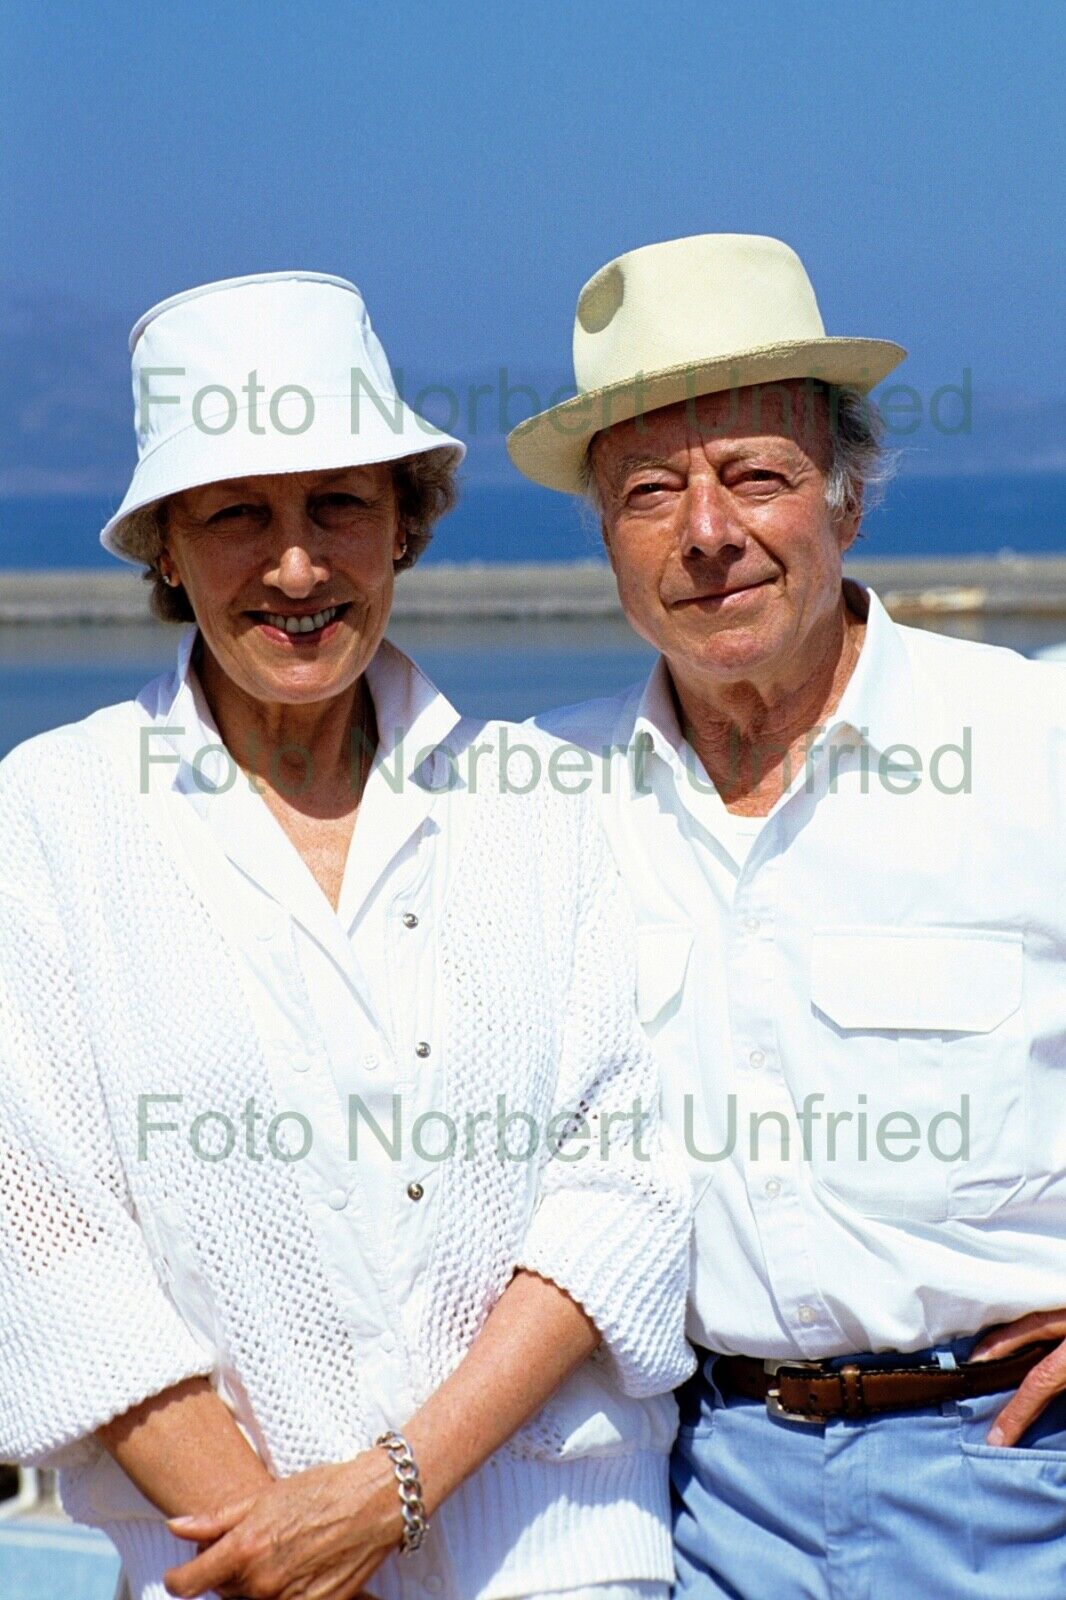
905	1504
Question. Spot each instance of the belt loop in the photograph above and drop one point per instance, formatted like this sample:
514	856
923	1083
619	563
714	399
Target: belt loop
707	1371
946	1360
854	1400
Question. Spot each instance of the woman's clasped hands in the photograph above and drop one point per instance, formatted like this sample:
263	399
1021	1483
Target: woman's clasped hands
318	1535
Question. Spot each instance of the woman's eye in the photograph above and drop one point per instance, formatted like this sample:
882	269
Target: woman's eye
339	501
230	513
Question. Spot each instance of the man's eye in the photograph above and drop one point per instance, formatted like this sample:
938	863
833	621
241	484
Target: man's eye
641	491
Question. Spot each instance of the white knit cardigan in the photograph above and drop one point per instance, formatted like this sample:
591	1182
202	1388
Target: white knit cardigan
115	978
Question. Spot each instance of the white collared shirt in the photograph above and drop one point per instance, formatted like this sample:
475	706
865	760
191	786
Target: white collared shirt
876	948
357	962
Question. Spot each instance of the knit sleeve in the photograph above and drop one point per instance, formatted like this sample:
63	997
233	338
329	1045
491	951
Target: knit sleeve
611	1225
86	1329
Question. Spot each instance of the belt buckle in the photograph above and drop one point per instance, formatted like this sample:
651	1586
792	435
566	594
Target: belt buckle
773	1396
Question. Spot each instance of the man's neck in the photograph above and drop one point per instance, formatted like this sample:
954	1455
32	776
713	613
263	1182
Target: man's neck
751	740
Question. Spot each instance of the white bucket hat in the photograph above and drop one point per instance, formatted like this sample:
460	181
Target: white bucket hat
689	317
276	372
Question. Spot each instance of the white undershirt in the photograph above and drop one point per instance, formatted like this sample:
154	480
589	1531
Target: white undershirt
739	833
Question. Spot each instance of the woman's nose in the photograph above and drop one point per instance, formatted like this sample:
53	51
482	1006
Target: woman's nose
297	564
297	572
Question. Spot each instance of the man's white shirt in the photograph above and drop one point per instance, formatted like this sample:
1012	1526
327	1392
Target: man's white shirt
858	1002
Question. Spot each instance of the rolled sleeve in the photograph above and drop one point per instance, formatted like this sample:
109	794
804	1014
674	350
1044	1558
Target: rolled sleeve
86	1327
611	1226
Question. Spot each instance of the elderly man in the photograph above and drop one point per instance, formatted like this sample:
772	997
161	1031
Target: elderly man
845	843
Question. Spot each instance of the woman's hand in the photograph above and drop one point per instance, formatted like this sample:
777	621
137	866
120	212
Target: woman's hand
318	1535
1041	1383
321	1534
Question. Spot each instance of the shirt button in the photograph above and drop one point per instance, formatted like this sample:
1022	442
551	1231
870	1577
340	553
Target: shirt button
422	1049
806	1315
433	1584
410	920
773	1188
371	1061
387	1342
751	924
338	1199
265	931
415	1191
757	1058
299	1063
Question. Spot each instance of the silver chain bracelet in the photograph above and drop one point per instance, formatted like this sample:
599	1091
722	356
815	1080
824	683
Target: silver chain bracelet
415	1523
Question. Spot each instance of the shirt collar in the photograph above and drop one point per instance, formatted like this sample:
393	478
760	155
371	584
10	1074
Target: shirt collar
413	717
878	702
410	769
877	705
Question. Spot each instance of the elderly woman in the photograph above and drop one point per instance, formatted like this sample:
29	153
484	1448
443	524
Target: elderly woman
340	1249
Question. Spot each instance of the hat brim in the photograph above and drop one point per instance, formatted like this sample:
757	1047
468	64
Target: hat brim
195	457
550	447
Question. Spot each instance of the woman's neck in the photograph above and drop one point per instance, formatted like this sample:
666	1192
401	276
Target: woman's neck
297	750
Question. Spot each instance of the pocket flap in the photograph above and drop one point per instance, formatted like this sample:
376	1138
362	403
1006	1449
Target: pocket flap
663	950
934	980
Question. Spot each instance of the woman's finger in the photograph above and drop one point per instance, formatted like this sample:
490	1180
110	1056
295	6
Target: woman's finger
206	1526
212	1569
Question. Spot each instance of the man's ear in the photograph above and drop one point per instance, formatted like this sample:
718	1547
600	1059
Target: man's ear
606	537
848	526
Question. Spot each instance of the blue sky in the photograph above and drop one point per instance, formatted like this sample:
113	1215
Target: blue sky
470	165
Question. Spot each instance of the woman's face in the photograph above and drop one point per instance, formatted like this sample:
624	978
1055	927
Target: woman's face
253	553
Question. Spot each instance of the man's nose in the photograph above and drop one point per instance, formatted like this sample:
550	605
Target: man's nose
708	523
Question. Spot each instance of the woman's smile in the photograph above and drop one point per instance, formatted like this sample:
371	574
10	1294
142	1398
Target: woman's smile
290	629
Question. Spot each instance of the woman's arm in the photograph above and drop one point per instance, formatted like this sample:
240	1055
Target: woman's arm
184	1450
327	1531
87	1330
535	1337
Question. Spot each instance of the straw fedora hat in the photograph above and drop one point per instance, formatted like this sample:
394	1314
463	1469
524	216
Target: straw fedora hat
689	317
275	372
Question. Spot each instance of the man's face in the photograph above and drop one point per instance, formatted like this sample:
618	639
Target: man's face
716	524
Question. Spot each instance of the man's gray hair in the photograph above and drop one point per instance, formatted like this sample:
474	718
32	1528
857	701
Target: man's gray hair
859	467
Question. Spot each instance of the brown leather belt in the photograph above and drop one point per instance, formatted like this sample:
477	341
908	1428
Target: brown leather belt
811	1391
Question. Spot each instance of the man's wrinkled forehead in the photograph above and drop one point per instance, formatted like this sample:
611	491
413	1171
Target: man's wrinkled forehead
795	413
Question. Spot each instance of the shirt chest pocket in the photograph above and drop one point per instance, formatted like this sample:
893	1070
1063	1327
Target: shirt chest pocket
919	1048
